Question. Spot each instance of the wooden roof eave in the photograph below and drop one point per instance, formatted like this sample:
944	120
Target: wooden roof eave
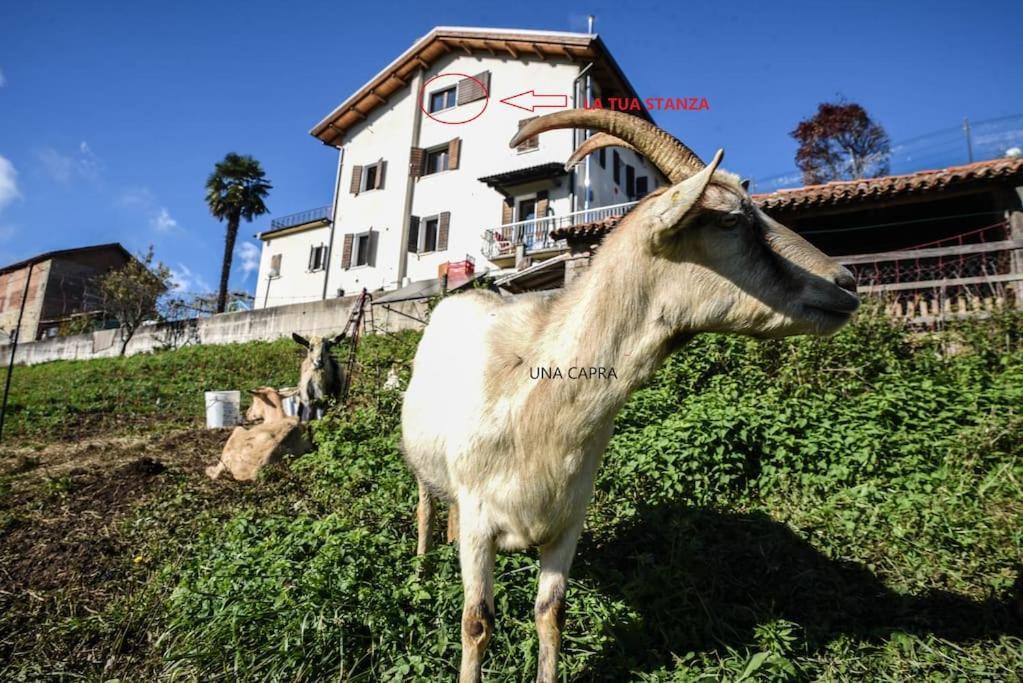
331	130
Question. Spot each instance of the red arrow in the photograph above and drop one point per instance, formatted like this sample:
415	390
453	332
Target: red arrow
530	101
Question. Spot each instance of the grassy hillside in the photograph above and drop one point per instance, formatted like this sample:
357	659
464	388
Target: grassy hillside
71	399
840	509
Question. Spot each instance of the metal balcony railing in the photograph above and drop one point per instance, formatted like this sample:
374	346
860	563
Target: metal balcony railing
290	221
535	234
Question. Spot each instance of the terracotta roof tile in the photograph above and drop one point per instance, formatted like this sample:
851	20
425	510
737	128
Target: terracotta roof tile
851	191
866	189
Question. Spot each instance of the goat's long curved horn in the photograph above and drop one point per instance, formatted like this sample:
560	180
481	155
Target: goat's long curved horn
591	145
668	154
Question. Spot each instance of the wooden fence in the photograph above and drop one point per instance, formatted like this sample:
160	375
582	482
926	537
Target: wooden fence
975	273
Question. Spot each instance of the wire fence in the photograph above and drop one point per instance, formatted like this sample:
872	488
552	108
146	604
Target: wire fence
962	144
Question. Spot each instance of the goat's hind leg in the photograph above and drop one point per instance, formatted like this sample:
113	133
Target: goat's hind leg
424	519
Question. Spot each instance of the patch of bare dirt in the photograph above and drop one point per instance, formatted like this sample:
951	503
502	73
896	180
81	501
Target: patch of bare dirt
60	508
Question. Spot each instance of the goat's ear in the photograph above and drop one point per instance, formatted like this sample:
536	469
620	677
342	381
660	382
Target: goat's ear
745	184
300	339
668	210
336	340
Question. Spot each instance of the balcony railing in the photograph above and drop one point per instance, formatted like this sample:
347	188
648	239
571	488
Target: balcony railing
535	234
301	218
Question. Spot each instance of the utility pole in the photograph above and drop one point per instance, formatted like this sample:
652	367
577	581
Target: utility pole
969	142
14	348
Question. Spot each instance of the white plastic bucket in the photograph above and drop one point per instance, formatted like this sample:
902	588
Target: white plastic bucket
223	408
291	404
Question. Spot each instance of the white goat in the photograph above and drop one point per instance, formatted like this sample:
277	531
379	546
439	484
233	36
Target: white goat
321	378
517	455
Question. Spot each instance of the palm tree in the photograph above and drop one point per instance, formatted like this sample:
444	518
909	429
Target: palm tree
235	190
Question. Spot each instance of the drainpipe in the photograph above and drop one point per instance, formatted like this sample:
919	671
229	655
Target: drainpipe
333	222
577	138
14	348
410	185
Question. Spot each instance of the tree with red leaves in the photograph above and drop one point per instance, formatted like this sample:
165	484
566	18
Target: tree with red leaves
841	142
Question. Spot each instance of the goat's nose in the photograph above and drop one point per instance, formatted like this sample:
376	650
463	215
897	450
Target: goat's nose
846	280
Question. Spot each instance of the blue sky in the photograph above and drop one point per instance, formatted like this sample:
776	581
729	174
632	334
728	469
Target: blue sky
112	114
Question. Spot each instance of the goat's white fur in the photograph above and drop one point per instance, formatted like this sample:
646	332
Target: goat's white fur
518	456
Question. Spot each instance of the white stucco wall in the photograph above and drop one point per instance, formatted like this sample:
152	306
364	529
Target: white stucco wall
296	283
474	206
388	133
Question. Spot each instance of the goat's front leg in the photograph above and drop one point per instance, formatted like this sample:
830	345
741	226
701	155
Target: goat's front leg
424	519
555	562
453	522
476	556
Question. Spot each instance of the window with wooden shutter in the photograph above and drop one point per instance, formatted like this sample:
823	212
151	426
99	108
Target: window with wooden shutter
507	210
542	203
318	257
616	168
445	228
531	143
454	151
431	228
373	237
472	89
602	157
416	162
630	181
381	172
346	252
413	234
356	186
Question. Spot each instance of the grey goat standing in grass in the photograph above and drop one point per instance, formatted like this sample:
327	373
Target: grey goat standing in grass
518	455
322	378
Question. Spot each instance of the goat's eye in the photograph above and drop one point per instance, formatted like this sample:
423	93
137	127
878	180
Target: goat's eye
729	220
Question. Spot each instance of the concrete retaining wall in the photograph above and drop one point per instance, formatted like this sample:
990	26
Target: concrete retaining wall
265	324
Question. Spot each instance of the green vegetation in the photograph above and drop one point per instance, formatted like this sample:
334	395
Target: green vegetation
72	399
839	509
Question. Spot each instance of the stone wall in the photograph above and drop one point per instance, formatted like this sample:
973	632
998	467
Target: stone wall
265	324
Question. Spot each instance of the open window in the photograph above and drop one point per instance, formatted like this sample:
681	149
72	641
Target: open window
275	265
368	177
360	249
317	257
435	159
429	234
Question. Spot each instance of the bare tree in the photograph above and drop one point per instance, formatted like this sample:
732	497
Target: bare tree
131	293
841	142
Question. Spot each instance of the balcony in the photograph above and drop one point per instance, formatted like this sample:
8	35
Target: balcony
321	214
535	234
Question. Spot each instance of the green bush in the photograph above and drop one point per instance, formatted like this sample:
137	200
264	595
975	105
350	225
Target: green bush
784	510
806	509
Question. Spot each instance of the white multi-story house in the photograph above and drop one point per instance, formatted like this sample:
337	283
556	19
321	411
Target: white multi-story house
425	175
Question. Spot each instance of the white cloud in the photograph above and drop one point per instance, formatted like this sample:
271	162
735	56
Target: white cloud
8	183
56	165
162	221
249	255
183	279
63	167
143	199
137	197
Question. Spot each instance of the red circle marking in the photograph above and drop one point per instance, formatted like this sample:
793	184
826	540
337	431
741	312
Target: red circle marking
422	98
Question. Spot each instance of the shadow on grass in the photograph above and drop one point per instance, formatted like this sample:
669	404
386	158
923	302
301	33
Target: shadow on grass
702	580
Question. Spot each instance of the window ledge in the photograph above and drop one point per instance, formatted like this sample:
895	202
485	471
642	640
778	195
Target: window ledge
431	175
